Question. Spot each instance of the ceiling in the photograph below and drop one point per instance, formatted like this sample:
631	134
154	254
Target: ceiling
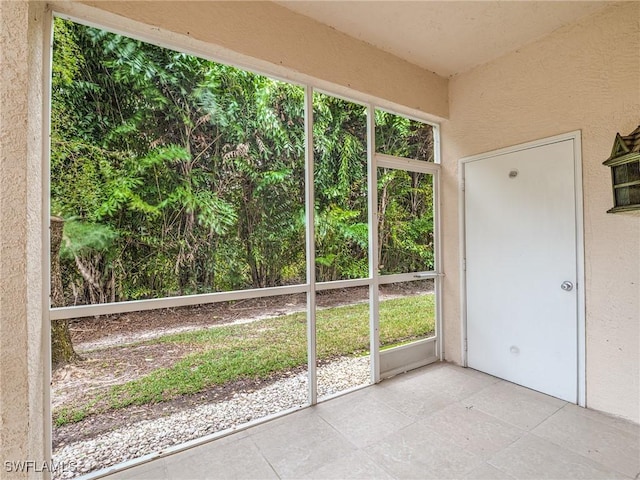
446	37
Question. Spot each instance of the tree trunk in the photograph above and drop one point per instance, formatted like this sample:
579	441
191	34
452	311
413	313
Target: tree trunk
382	210
62	351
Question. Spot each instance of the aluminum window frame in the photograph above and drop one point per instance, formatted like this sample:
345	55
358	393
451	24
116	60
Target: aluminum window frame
92	17
382	160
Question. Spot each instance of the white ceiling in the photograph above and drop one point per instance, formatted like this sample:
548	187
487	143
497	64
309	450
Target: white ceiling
446	37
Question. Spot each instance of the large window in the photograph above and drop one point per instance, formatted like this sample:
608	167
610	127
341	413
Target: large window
214	259
175	175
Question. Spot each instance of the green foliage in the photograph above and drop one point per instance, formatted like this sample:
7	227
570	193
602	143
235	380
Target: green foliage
81	238
197	167
402	137
339	234
187	176
405	221
341	188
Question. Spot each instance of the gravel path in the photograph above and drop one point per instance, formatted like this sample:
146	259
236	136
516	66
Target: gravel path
149	436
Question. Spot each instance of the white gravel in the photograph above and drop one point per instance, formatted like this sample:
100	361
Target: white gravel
148	436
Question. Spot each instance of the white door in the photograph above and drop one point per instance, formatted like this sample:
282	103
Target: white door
521	267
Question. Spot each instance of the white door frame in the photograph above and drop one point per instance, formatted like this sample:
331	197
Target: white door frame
580	283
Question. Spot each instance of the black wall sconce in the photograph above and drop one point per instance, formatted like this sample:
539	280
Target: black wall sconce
625	172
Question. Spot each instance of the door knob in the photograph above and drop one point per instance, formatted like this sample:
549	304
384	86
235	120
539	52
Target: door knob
567	286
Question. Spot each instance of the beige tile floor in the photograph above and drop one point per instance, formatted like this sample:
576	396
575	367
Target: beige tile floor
439	422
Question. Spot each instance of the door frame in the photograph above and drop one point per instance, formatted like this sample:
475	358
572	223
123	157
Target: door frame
575	136
418	353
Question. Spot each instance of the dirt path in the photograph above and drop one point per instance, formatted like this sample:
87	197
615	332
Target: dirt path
92	333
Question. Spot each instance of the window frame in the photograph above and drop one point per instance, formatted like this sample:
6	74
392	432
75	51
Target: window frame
92	17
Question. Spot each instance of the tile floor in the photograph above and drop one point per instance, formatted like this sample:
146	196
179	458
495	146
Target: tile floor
439	422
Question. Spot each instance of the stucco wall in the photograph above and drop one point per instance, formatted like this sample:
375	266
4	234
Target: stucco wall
22	432
287	43
582	77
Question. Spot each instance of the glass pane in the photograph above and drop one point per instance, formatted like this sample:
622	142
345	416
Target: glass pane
340	153
407	312
401	137
174	175
342	328
151	380
405	221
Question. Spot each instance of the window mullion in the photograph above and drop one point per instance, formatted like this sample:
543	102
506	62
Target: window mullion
372	183
310	246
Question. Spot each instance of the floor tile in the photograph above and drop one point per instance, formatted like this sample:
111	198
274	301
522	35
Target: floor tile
352	466
413	404
296	416
473	430
301	444
441	421
532	458
617	422
487	472
452	381
361	418
415	397
154	470
514	404
578	431
226	458
417	452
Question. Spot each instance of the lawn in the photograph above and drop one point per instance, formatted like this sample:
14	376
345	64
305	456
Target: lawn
263	349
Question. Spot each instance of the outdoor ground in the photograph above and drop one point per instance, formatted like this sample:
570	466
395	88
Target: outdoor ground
112	354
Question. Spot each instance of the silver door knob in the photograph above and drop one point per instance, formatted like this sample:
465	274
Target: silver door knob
567	286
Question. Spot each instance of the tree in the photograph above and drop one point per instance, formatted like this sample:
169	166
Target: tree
340	145
62	351
405	199
178	175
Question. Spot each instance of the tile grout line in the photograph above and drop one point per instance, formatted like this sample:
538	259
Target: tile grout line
375	462
273	469
488	462
507	422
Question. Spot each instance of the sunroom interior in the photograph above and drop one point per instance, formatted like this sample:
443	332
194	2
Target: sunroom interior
504	78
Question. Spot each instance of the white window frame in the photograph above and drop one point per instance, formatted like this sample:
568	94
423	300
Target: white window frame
90	16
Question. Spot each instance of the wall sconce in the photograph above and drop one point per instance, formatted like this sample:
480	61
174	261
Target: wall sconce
625	172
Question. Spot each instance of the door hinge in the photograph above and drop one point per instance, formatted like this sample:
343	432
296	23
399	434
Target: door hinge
465	345
464	264
462	184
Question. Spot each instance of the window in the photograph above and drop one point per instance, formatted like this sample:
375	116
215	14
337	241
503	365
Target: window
194	268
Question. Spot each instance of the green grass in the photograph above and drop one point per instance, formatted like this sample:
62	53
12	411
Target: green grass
67	415
263	348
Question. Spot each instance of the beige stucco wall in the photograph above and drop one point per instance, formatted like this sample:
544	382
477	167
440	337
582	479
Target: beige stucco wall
22	431
286	43
583	77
